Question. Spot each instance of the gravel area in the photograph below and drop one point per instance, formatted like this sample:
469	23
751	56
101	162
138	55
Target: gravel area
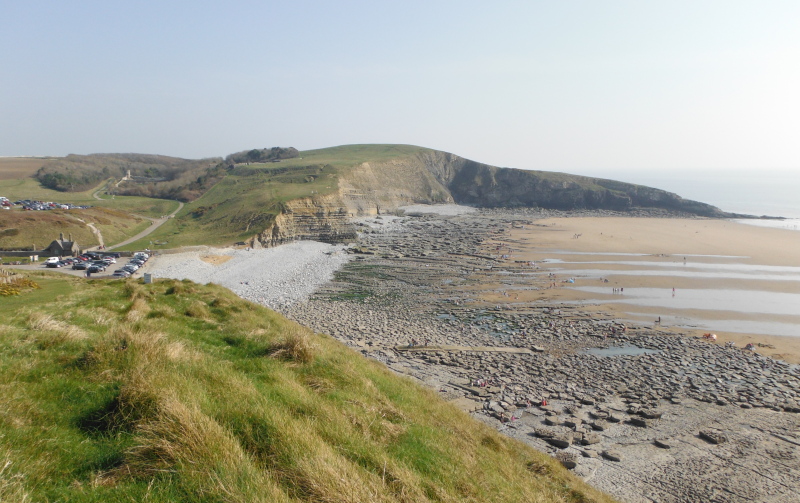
439	209
274	277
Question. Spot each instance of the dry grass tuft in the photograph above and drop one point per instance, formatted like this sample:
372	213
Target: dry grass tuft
181	439
98	315
184	287
319	384
134	290
295	345
221	303
138	310
51	331
162	311
199	310
176	351
539	468
12	487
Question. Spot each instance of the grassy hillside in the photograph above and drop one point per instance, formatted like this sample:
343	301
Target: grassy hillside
249	198
22	229
118	391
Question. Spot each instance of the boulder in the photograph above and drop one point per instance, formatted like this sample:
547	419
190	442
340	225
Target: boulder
561	441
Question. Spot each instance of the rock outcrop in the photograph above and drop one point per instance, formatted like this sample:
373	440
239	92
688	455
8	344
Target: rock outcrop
321	218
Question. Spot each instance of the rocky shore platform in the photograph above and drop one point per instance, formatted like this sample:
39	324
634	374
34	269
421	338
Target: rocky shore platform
637	411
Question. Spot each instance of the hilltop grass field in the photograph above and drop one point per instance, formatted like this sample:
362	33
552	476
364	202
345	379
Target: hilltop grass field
14	168
173	391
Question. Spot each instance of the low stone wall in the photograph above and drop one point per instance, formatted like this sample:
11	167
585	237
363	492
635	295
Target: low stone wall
24	253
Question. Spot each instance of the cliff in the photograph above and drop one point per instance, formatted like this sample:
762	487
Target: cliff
433	177
322	218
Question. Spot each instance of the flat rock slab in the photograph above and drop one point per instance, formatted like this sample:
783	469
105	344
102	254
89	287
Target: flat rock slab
612	455
662	443
560	441
466	404
713	437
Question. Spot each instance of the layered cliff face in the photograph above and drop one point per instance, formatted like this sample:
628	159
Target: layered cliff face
373	187
322	218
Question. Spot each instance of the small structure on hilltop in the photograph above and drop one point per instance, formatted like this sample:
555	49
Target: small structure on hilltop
61	247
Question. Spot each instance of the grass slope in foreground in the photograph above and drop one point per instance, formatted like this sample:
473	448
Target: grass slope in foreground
113	391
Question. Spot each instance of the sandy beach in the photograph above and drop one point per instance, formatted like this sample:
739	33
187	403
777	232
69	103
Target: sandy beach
657	246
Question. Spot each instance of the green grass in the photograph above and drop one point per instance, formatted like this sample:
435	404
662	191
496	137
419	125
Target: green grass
26	228
248	200
119	391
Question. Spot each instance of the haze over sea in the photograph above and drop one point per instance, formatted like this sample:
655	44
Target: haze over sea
753	192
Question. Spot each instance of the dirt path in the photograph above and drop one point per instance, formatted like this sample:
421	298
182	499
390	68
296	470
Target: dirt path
158	222
96	233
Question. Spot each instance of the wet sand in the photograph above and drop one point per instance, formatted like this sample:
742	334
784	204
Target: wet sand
657	245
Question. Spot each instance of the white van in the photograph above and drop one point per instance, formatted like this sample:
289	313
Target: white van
51	260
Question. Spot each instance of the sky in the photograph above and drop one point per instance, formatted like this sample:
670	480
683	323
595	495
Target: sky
583	87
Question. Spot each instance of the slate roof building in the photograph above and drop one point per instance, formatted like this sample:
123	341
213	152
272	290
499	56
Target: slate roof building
61	247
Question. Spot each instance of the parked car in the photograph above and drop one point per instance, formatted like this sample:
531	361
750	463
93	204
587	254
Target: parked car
80	266
51	260
109	260
120	273
95	268
130	268
53	265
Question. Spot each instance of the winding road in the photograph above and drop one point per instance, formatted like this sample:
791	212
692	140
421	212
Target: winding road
156	223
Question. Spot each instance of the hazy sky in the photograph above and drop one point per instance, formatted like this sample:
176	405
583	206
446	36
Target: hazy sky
576	86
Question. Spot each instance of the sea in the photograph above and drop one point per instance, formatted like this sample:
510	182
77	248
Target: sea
760	193
774	193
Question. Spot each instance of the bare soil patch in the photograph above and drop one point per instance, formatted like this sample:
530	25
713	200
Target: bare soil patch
216	259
